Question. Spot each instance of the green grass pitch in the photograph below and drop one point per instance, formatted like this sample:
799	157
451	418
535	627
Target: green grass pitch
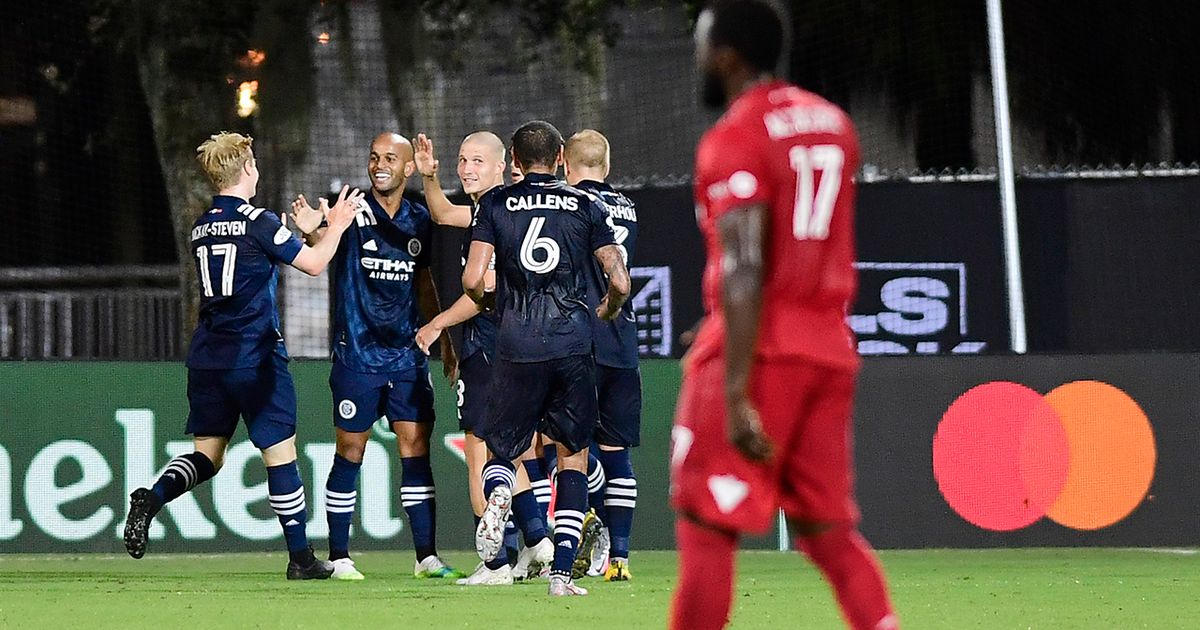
1027	588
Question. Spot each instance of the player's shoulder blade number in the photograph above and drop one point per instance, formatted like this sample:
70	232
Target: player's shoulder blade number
228	254
536	246
815	202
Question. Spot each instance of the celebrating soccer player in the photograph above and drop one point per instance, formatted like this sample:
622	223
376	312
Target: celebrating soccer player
543	235
618	380
382	284
763	419
237	362
480	170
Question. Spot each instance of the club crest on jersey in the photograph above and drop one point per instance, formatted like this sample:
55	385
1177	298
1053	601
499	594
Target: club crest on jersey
414	247
282	235
347	409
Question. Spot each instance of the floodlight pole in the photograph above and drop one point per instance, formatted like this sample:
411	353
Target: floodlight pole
1008	198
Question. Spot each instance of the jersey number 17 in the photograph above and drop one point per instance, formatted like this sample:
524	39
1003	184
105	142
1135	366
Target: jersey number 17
228	253
813	210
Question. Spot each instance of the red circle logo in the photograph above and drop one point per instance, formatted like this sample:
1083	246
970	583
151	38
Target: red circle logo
1083	455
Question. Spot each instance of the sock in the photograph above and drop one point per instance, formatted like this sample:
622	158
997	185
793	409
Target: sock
568	519
420	503
536	469
595	481
182	474
620	498
500	560
849	564
705	590
340	496
512	539
528	518
287	499
498	472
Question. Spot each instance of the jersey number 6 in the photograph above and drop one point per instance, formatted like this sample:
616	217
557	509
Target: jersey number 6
813	213
534	242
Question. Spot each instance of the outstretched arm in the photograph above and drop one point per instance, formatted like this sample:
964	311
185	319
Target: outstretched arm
430	304
440	208
741	232
312	260
619	284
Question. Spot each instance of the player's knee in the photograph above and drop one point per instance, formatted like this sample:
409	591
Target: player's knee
351	446
281	453
412	438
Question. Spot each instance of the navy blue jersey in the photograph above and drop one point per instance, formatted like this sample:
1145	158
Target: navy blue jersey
235	247
616	341
545	234
376	313
479	332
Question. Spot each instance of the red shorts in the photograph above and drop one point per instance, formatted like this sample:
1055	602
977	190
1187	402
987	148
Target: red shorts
805	410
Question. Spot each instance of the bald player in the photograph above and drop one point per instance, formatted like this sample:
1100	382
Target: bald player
481	170
618	380
382	285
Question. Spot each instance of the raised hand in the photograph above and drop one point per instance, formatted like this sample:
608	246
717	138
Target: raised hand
342	214
427	165
306	217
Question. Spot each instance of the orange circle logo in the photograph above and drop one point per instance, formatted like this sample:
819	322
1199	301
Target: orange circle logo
1083	455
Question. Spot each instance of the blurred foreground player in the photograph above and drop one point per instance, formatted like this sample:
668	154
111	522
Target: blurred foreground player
237	363
544	235
764	413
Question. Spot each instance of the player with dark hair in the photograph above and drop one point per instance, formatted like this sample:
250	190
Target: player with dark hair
237	363
480	169
383	287
586	162
544	235
763	419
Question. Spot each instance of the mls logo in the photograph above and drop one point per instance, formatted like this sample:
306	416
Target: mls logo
905	308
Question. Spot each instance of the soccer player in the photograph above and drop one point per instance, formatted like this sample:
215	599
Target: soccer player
618	380
763	419
383	284
237	362
480	169
543	235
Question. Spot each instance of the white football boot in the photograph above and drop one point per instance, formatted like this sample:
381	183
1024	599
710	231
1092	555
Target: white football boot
563	586
489	536
484	576
534	561
343	569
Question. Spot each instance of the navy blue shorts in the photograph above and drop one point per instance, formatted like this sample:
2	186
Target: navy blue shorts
361	399
263	396
556	397
474	385
619	393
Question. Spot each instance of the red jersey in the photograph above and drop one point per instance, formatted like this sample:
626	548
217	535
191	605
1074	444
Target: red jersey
795	153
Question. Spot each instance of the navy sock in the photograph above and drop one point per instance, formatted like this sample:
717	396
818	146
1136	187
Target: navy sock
287	500
528	518
498	472
340	497
420	502
512	539
569	506
536	469
596	483
182	474
620	497
500	560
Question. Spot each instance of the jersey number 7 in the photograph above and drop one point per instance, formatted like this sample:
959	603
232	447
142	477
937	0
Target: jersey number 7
228	252
813	212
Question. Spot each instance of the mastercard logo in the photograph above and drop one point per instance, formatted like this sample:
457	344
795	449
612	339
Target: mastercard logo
1082	455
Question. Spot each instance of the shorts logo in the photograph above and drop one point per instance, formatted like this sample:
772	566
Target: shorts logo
282	235
414	247
743	184
347	409
728	491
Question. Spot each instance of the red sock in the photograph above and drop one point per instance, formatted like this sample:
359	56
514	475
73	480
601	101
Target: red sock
849	564
705	589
